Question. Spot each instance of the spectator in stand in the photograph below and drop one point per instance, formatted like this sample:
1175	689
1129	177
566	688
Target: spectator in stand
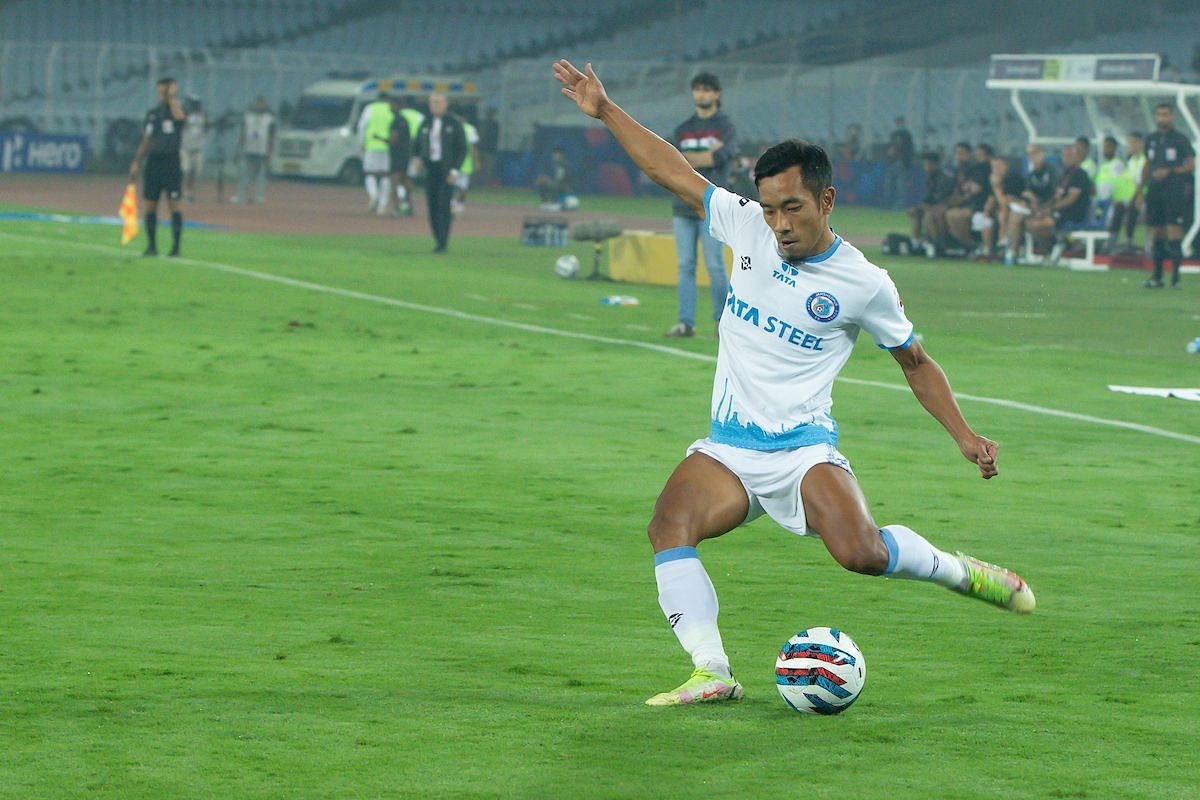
971	192
256	143
938	188
899	159
1124	211
1083	147
195	136
555	185
1067	210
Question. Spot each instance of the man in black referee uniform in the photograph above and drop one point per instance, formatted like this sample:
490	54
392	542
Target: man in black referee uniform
1167	179
160	143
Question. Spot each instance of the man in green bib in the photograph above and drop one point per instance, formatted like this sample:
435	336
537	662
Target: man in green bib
375	130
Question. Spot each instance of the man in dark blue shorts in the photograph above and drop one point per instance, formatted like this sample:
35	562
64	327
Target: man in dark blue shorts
164	172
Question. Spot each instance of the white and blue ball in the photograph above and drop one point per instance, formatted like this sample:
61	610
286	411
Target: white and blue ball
820	671
567	266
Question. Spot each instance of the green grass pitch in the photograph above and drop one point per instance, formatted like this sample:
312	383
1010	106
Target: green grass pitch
261	541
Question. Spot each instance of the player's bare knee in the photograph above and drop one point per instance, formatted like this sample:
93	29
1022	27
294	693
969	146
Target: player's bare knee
864	553
669	528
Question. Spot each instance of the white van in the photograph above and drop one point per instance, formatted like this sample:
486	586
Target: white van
319	140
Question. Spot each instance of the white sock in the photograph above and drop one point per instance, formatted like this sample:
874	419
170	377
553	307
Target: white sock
385	192
372	188
401	192
688	599
910	556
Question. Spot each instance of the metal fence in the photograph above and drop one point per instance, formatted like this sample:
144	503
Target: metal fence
768	103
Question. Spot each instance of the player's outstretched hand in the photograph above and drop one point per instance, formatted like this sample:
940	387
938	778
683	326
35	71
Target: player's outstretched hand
981	451
583	87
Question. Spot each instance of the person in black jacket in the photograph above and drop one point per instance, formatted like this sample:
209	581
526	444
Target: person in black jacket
441	147
708	140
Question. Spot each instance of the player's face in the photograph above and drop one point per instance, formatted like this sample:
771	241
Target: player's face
164	91
1109	150
704	97
798	220
1037	157
437	104
1134	145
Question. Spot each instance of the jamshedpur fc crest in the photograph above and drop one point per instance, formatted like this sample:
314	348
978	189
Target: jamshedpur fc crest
822	306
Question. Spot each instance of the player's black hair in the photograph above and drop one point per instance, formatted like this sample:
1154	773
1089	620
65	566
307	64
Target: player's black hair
165	80
815	169
1137	134
932	155
964	145
987	148
1084	140
707	80
1108	139
1169	106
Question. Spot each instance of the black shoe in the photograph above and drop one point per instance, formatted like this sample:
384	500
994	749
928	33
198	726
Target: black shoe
174	252
150	251
1152	284
441	248
1176	285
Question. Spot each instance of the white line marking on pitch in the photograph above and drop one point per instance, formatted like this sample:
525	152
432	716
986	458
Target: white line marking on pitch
1007	314
583	317
478	297
633	327
525	306
587	337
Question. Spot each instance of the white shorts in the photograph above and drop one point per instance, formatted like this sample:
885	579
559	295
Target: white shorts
772	478
191	160
377	161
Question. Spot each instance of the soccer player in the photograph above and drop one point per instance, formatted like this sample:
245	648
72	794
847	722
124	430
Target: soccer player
799	297
164	171
375	131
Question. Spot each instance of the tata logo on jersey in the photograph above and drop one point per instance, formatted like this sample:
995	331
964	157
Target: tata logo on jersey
786	274
822	306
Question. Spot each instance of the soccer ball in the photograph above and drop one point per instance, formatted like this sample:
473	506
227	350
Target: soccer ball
567	266
820	671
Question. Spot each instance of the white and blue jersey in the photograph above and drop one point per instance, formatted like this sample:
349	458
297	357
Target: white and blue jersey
787	330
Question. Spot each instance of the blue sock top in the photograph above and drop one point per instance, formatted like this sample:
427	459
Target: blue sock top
674	554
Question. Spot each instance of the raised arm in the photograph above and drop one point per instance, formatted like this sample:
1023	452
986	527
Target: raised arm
661	162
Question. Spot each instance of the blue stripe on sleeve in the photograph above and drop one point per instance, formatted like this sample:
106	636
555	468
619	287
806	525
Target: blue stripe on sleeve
907	344
674	554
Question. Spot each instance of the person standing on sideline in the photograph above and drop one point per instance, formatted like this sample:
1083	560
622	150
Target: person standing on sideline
256	143
195	135
441	148
708	140
468	169
413	118
899	160
772	444
1167	178
164	172
375	131
399	152
1124	210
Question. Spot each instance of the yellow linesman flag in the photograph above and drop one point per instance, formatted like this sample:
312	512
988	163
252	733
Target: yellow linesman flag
129	214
